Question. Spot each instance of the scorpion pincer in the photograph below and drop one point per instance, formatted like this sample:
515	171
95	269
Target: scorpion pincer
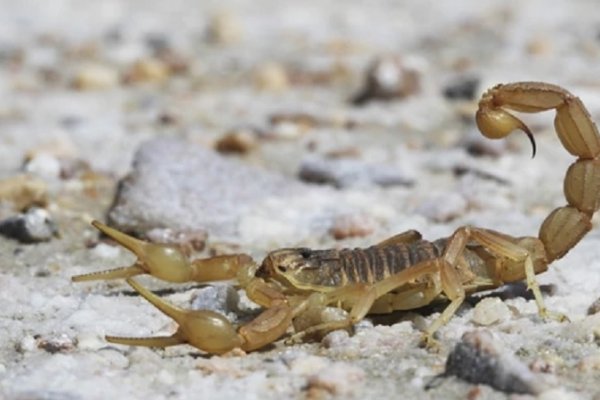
401	273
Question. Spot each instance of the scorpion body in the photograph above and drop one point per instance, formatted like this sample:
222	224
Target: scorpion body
401	273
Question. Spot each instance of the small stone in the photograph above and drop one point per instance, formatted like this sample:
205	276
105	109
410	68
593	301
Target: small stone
105	251
271	77
95	77
477	145
286	130
224	28
479	359
462	89
305	365
589	363
306	121
238	141
387	78
223	299
60	344
336	339
149	70
44	166
27	344
489	311
34	226
343	173
157	42
594	307
540	46
558	394
338	379
349	226
23	192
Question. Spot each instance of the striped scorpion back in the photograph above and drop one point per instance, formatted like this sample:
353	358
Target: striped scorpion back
376	263
336	268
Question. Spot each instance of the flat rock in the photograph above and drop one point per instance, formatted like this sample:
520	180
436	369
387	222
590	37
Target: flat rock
181	186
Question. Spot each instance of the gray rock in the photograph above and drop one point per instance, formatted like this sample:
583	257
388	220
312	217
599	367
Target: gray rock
343	173
185	187
33	226
479	359
594	308
463	88
223	299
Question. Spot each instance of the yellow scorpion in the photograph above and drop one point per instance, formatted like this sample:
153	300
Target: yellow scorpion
401	273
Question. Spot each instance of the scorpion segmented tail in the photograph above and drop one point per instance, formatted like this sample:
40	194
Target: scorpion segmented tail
565	226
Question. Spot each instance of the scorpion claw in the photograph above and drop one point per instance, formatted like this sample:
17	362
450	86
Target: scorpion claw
158	341
124	272
161	261
205	330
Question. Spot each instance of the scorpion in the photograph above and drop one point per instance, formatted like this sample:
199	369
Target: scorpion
403	272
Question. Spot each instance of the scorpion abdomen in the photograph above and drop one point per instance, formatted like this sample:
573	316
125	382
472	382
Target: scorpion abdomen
375	263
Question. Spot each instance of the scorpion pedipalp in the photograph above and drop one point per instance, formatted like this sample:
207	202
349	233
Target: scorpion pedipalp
161	261
205	329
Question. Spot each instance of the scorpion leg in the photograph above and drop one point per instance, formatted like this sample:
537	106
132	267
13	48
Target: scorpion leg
168	262
212	332
404	237
501	246
364	296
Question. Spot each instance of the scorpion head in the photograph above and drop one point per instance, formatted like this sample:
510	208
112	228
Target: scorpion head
299	268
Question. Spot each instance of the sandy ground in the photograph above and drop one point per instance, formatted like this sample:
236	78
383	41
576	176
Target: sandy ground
82	87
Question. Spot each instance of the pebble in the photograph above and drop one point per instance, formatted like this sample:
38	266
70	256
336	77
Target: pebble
344	173
44	166
239	141
223	299
477	145
287	130
479	359
35	225
149	70
339	379
59	344
353	225
224	28
27	344
462	89
271	77
387	78
489	311
105	251
95	77
23	192
594	307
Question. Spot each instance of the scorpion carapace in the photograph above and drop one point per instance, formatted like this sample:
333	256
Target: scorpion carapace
400	273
